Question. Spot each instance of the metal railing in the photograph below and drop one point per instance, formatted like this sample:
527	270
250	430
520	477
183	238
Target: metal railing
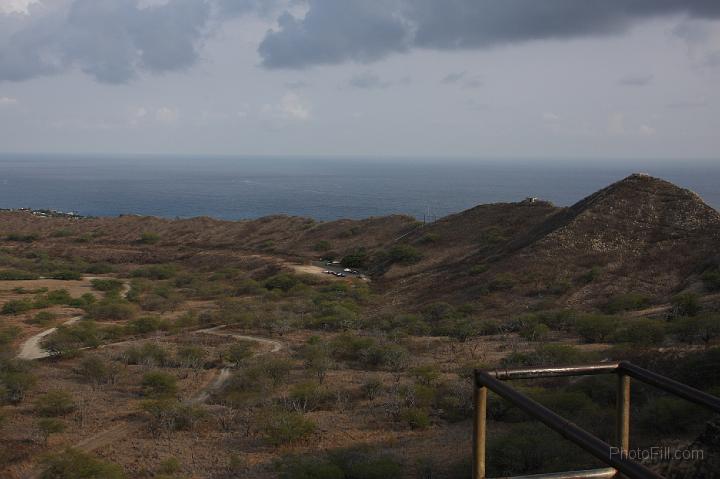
613	456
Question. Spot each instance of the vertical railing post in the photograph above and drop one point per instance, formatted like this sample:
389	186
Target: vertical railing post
623	412
479	431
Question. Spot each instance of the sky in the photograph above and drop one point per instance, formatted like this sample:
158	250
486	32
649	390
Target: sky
362	78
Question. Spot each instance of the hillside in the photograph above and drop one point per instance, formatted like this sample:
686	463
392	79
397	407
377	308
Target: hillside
640	234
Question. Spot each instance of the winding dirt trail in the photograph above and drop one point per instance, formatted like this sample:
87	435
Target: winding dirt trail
31	350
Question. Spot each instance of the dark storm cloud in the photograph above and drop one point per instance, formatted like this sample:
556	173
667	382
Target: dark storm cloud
108	39
333	31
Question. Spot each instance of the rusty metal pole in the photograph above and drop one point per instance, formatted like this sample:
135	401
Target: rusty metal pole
479	431
623	412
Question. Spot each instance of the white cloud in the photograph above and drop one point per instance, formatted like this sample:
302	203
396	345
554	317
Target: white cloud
7	101
290	107
166	115
15	6
550	116
647	130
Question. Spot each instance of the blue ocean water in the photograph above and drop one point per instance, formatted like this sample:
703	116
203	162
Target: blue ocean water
324	189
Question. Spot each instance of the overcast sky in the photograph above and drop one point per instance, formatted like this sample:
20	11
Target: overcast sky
444	78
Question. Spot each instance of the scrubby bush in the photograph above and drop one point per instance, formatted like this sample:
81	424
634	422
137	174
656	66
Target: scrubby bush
415	417
112	309
68	340
282	282
190	356
149	354
48	426
308	396
17	306
371	388
67	275
322	246
97	371
238	352
169	414
547	355
155	272
711	278
625	302
502	282
640	332
149	238
20	237
686	304
664	415
404	254
107	285
703	328
10	275
74	464
358	259
54	403
595	328
43	317
15	380
310	468
284	427
159	384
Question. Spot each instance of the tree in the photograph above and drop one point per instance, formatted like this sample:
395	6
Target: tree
159	384
74	464
54	403
48	426
686	304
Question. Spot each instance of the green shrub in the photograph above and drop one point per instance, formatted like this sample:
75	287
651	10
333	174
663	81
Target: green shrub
502	282
68	340
97	371
478	269
112	309
54	403
149	238
43	318
686	304
10	275
155	272
666	415
595	328
308	396
310	468
238	352
284	427
322	246
159	384
416	418
591	275
358	259
641	332
425	375
48	426
190	356
711	279
17	306
66	275
404	254
149	354
171	465
23	238
168	414
283	282
99	268
371	388
547	355
8	334
74	464
703	328
107	285
15	380
625	302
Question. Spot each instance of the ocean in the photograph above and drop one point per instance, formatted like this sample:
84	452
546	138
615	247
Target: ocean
324	189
